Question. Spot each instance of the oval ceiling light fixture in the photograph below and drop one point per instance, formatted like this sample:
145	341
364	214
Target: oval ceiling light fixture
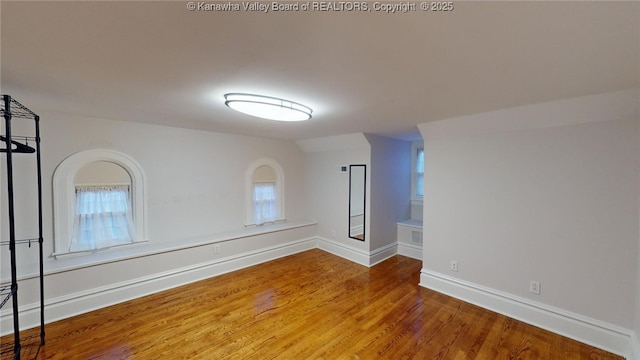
268	107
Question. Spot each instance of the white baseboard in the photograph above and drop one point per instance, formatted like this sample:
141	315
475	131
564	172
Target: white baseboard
590	331
635	347
356	255
81	302
410	250
383	253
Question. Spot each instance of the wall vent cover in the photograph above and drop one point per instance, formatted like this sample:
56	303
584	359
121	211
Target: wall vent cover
416	237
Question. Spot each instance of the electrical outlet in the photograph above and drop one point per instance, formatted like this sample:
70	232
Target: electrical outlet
534	287
216	249
454	265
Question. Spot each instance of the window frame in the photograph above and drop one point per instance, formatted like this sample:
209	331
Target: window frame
64	196
280	198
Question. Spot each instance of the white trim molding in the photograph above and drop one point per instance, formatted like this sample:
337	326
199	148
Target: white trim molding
351	253
382	253
410	250
64	193
635	347
590	331
359	256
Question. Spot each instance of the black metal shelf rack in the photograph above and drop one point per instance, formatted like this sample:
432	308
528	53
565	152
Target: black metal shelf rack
11	144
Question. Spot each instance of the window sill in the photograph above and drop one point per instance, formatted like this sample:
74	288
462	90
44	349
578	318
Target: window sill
417	202
411	223
266	223
147	248
74	254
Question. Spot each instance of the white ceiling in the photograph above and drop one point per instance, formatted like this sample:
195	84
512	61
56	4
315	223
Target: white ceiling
158	62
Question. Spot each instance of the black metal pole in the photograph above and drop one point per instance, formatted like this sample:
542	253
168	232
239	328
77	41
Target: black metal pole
40	235
12	230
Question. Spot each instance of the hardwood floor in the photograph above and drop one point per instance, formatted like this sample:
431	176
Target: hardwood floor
311	305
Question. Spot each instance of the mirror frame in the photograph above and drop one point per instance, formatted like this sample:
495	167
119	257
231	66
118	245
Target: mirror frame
364	200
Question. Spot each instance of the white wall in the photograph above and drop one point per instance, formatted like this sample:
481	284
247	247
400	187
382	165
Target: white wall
390	188
328	187
195	187
102	172
636	327
387	196
556	204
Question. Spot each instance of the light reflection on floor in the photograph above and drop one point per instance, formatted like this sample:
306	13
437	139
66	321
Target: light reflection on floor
265	301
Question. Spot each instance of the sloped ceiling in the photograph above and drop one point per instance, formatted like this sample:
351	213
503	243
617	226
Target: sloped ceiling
158	62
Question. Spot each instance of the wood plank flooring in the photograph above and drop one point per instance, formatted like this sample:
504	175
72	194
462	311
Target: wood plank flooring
312	305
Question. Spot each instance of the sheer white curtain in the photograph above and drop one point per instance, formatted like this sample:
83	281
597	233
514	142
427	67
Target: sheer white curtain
420	173
265	203
103	218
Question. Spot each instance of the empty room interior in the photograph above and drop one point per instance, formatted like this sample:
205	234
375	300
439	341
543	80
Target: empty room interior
320	180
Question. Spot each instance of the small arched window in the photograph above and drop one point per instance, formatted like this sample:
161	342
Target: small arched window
99	202
264	193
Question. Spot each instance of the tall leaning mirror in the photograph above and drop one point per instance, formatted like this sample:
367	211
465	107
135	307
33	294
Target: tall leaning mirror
357	201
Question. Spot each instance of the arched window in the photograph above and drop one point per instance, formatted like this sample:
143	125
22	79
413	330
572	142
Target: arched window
264	193
99	202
